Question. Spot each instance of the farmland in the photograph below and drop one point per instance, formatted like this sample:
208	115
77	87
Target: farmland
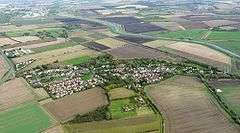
3	68
25	38
179	98
111	42
80	103
119	93
13	93
158	43
78	60
27	118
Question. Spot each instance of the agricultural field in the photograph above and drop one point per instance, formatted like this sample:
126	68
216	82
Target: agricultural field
57	55
26	118
15	92
217	23
229	91
120	93
171	26
158	43
3	68
55	129
78	60
41	94
145	123
111	42
80	103
201	52
179	100
24	39
7	41
135	39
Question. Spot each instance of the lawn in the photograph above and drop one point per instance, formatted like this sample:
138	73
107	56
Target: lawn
79	60
230	93
194	34
27	118
53	47
116	109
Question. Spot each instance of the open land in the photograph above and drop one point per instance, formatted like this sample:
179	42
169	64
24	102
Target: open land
3	68
7	41
27	118
158	43
14	92
188	108
111	42
119	93
79	103
25	38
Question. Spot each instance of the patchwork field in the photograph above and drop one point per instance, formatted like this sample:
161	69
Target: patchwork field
24	39
187	107
119	93
158	43
136	124
171	26
111	42
217	23
230	92
135	39
57	55
7	41
200	51
14	92
78	60
80	103
27	118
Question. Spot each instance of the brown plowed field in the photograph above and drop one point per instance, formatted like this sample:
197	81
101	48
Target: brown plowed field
7	41
80	103
188	108
14	92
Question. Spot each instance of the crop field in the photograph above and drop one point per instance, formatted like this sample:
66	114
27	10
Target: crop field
41	94
79	39
158	43
78	60
24	39
96	46
54	46
3	68
194	25
200	51
132	51
55	129
14	92
200	17
7	41
194	34
230	92
135	39
120	93
78	21
111	42
80	103
171	26
57	55
217	23
187	107
27	118
135	124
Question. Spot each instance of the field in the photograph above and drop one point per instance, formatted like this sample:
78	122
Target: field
111	42
7	41
193	25
57	55
96	46
55	129
136	124
230	92
119	93
135	39
217	23
78	60
131	51
171	26
41	94
24	39
3	68
27	118
158	43
80	103
200	51
187	107
13	93
59	45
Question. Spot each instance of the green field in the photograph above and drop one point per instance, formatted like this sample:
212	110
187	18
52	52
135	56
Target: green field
194	34
148	123
78	39
27	118
116	109
31	21
79	60
53	31
231	95
53	47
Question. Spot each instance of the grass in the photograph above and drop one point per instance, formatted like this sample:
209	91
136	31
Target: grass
224	35
233	46
78	39
193	34
116	109
53	47
79	60
120	93
229	94
31	21
87	76
27	118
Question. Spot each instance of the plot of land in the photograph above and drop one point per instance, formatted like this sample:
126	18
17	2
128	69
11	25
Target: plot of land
217	23
200	51
158	43
171	26
3	68
80	103
27	118
55	129
133	125
14	92
57	55
119	93
135	39
188	108
7	41
111	42
26	38
194	25
41	94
